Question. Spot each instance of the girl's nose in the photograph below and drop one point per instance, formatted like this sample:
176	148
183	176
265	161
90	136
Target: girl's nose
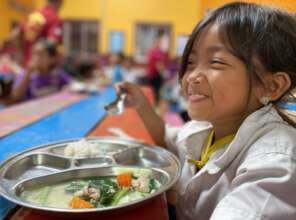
195	77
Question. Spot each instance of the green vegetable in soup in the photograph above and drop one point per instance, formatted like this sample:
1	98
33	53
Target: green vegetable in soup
120	194
99	191
44	195
107	188
75	186
40	196
154	184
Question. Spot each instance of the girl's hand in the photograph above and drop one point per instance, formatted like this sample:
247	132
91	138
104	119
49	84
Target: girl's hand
134	96
32	65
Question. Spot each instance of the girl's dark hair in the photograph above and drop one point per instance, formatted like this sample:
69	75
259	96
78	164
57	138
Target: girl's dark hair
252	32
48	46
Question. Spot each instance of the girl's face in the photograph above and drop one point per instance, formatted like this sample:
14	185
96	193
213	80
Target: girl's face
216	83
42	59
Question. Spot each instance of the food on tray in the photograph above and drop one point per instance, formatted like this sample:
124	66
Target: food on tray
96	192
82	148
124	179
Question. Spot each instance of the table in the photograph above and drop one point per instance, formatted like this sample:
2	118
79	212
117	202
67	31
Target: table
89	114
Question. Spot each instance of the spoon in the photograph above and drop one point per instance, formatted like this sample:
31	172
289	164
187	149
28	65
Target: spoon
117	106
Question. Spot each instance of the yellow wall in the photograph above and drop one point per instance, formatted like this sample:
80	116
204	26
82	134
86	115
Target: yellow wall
289	5
122	15
7	15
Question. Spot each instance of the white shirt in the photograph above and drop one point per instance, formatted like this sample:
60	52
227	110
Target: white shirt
254	177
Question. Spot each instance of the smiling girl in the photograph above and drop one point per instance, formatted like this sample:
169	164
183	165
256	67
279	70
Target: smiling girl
238	154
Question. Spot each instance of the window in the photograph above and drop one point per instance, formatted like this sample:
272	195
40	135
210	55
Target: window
116	41
180	44
146	34
80	36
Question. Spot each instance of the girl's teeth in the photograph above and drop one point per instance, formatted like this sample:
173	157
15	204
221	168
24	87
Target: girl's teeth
196	97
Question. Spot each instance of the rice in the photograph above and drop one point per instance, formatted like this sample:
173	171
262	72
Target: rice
81	148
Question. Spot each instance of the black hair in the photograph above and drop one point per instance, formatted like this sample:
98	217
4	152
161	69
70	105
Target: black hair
49	46
121	56
54	1
160	33
252	32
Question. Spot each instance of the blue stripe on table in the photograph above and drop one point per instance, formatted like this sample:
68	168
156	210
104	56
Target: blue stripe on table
74	121
288	105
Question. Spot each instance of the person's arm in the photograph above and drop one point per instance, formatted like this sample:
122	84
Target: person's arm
19	91
22	84
15	36
136	98
154	124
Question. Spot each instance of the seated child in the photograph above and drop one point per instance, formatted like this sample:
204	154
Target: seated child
238	153
43	76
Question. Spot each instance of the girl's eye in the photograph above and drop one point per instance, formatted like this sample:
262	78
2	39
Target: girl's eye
190	64
217	64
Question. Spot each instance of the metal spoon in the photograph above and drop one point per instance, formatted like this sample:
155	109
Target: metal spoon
117	106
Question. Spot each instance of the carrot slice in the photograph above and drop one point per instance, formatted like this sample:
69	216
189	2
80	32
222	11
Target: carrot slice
124	179
78	203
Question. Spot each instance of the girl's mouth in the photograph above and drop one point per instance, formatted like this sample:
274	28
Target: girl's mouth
196	97
195	94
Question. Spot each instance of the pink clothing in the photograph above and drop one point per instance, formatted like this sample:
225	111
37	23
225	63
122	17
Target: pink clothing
155	55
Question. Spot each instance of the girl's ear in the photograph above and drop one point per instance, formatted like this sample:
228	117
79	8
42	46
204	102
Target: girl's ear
279	85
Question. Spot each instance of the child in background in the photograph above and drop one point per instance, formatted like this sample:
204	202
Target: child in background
115	71
42	77
9	70
129	73
157	59
238	153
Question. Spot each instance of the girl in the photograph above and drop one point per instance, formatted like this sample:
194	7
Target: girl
238	154
42	77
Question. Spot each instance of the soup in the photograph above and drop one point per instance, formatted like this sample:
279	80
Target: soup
94	192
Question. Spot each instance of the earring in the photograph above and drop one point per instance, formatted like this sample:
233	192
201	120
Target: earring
264	100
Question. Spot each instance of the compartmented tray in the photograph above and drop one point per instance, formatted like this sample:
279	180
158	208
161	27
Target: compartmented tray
47	164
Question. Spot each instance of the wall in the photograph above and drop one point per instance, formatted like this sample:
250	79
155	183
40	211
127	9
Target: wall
289	5
7	16
122	15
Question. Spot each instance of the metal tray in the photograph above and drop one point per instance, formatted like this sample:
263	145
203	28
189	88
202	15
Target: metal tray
47	164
